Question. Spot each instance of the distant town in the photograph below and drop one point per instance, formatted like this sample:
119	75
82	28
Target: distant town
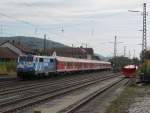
11	49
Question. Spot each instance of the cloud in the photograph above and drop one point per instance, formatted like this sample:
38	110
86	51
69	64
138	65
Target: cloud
78	17
60	10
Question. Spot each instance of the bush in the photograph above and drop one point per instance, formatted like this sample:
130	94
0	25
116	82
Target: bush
7	67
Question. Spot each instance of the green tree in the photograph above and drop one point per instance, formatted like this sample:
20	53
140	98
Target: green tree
136	61
121	61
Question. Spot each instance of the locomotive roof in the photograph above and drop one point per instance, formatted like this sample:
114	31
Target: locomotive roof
39	56
44	56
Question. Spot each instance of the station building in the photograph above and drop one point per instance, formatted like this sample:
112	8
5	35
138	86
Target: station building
7	54
11	50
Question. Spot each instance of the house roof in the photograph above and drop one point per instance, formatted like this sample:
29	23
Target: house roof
18	45
7	53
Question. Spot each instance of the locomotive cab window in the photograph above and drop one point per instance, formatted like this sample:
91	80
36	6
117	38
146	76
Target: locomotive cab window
41	60
51	60
22	59
29	58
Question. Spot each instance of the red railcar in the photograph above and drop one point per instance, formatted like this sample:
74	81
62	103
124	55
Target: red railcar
129	71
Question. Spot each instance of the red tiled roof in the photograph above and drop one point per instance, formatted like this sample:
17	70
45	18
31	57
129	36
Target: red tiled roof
7	53
71	51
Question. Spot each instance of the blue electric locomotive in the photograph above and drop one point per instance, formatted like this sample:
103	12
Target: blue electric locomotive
32	65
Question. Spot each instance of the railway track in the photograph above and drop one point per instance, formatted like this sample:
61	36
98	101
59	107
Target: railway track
7	80
49	92
11	83
31	86
4	84
79	104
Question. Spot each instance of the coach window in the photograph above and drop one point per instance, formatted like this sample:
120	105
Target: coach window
68	64
51	60
41	60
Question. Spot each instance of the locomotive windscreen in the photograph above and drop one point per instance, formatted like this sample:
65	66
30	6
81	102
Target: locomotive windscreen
25	58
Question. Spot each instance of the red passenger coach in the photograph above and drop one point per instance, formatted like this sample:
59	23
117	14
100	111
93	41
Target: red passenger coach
129	71
66	64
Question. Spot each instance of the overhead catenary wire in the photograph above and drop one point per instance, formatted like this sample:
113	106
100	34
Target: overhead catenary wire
18	20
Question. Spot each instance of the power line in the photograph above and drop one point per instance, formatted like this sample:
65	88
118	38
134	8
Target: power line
22	21
27	23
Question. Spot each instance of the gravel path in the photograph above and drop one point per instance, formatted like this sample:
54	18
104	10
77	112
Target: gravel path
141	102
141	105
100	102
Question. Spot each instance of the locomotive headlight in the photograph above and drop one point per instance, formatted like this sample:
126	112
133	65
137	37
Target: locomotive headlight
30	63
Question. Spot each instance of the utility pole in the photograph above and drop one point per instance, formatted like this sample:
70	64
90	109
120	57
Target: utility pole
115	63
134	54
72	51
115	47
129	54
144	37
144	40
44	44
115	54
86	45
125	51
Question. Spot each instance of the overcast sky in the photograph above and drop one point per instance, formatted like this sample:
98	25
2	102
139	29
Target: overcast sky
94	22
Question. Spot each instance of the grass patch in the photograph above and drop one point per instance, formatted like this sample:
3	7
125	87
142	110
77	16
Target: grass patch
124	100
7	67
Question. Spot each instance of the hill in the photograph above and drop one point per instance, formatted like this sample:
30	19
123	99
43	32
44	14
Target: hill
32	42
